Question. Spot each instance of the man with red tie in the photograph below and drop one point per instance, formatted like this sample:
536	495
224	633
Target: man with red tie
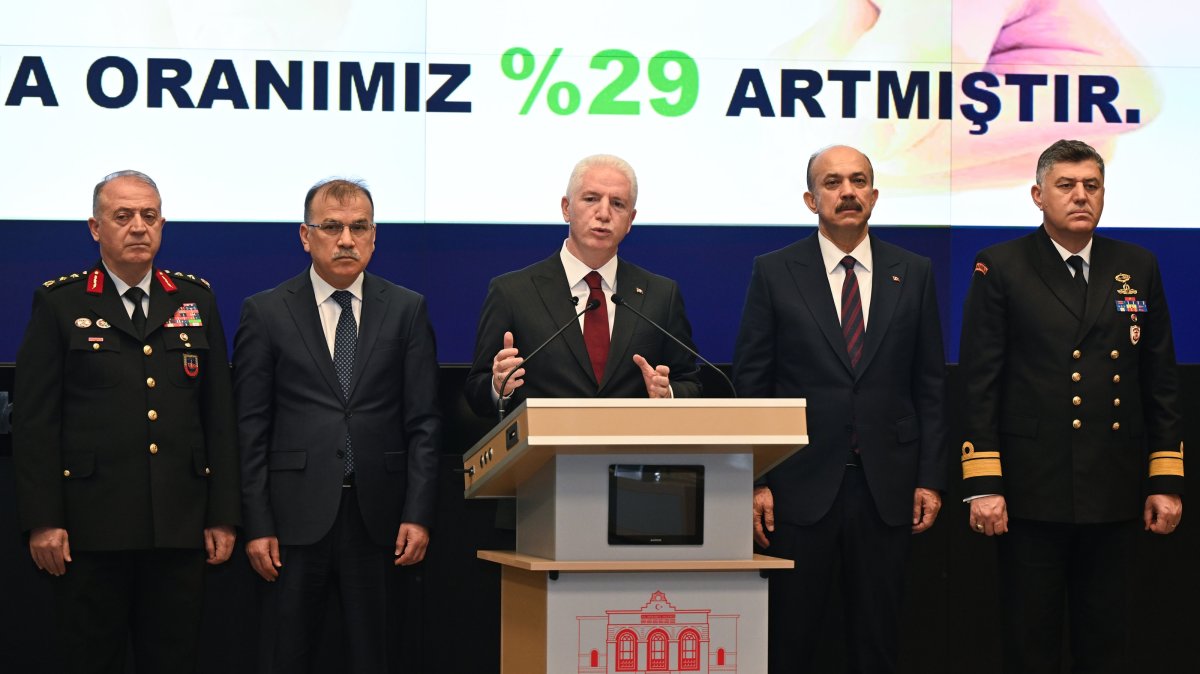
613	353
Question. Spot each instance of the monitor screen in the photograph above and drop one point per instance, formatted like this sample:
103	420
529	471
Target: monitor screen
655	505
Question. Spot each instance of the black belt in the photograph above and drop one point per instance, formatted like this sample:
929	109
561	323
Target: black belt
854	459
348	481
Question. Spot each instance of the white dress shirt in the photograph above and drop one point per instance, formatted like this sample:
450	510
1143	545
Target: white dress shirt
863	263
330	310
121	286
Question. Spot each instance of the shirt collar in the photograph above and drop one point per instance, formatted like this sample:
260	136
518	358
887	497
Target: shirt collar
576	269
832	256
322	290
1086	253
121	286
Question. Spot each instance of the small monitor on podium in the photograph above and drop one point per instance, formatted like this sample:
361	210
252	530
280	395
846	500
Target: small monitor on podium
655	505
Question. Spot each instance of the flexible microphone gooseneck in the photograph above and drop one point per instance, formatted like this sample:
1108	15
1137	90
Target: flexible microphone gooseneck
591	306
620	302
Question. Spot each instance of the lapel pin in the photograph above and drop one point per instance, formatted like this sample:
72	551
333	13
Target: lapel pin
895	279
639	291
83	322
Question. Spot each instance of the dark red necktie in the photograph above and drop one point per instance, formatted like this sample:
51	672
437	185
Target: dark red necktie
595	327
852	314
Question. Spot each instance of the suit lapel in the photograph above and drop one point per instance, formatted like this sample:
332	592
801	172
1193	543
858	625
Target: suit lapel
1101	284
109	306
812	286
629	281
550	280
162	307
301	302
1054	273
885	295
375	305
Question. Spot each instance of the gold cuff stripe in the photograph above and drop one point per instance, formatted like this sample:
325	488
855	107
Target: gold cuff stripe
1166	463
981	464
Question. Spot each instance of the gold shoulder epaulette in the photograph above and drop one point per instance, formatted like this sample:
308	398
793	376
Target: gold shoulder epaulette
1167	463
979	464
190	277
64	280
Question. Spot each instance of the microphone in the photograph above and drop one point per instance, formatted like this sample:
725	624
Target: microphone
620	302
591	306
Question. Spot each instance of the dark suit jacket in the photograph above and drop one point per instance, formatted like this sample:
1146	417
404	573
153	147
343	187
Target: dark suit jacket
293	418
533	303
790	345
1034	363
88	456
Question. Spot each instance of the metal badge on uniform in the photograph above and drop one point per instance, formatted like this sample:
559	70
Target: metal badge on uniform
103	324
981	268
186	316
1123	279
95	339
83	322
895	279
639	291
183	337
1135	334
191	365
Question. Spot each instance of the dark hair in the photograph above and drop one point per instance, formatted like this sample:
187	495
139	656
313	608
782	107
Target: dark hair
1066	152
338	189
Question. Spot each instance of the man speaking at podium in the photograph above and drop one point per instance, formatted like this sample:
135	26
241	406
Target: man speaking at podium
612	353
850	323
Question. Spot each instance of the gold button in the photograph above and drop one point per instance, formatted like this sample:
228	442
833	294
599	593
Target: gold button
1116	379
95	347
1077	401
153	448
66	473
1076	354
152	415
147	350
150	382
1116	426
1075	376
187	344
1115	354
1116	402
1077	424
207	470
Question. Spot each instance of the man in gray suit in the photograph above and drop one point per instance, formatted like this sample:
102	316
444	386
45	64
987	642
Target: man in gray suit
335	377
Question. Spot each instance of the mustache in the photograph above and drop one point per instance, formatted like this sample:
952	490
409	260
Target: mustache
848	205
346	252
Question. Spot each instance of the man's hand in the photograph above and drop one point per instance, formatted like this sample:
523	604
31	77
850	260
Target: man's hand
658	379
50	549
411	542
218	543
1162	513
926	504
264	557
989	515
506	361
764	515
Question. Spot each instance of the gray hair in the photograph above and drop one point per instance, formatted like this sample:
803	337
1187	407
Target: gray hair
338	189
812	159
606	160
1067	152
136	175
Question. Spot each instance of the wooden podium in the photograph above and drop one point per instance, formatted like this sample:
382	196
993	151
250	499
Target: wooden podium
571	602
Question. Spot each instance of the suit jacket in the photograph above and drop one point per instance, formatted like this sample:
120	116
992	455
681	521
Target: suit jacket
125	440
533	303
293	418
1066	402
790	345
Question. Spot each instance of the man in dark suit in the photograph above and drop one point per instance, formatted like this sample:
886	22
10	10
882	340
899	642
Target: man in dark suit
124	443
851	324
1073	427
335	376
613	353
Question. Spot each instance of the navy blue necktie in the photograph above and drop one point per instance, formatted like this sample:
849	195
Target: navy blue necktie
1076	263
344	343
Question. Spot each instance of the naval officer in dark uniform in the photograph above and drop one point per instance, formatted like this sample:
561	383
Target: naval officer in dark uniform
1074	436
124	443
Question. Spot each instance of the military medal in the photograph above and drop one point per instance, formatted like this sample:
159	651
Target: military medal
191	365
1123	279
186	316
1135	334
83	322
